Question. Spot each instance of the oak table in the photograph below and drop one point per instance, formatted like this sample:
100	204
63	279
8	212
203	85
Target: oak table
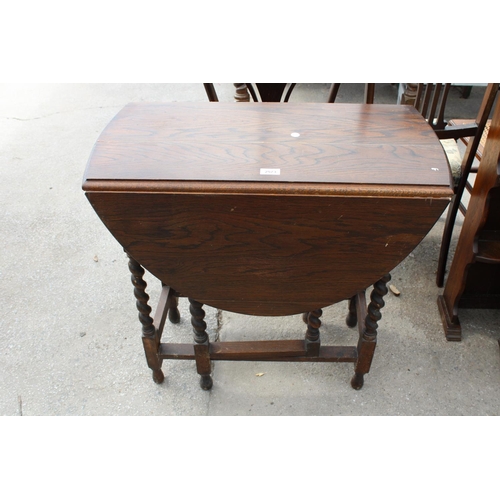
266	209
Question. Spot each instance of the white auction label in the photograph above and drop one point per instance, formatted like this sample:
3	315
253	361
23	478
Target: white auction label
270	171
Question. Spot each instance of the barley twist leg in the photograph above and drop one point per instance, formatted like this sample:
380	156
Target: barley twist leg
150	338
368	338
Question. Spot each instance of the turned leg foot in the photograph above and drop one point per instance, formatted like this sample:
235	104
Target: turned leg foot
357	381
158	376
206	382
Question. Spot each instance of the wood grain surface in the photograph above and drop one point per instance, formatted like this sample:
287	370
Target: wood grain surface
179	187
337	143
268	255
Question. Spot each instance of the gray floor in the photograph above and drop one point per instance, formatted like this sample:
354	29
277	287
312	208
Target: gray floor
70	341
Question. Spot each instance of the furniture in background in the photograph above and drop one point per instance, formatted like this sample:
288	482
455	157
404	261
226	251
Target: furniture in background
408	91
472	133
244	90
260	92
266	209
430	100
474	277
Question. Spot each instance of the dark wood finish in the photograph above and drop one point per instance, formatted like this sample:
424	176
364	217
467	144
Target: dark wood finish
294	261
332	94
260	92
337	144
278	92
478	155
369	93
270	92
352	319
473	280
211	93
184	188
477	130
312	339
150	336
430	100
201	344
173	311
264	350
368	334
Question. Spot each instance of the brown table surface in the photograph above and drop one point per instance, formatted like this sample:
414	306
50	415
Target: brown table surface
185	188
340	143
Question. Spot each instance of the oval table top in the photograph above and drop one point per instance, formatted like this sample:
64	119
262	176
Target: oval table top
268	208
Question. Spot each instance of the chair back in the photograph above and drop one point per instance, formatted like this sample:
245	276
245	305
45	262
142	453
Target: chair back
480	124
279	92
270	92
430	101
260	92
211	93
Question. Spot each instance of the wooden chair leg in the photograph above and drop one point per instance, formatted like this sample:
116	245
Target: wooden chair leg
332	94
368	336
446	239
201	344
150	337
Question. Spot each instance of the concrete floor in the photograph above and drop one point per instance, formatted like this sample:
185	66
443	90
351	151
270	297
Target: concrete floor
70	340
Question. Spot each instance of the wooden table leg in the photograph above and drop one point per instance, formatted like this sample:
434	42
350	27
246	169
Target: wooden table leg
312	340
352	317
368	334
174	315
150	336
201	344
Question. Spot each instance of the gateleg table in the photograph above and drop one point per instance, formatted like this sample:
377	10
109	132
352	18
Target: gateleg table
266	209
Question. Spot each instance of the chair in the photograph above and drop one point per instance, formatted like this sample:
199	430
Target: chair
278	92
260	92
430	102
270	92
474	278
